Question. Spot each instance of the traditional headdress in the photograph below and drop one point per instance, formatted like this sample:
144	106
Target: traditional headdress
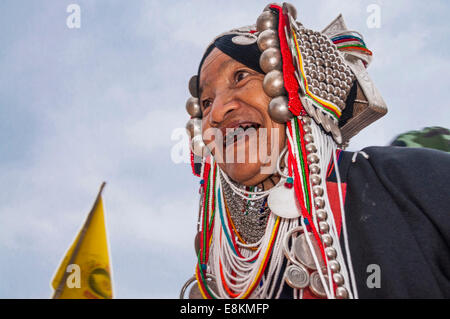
320	89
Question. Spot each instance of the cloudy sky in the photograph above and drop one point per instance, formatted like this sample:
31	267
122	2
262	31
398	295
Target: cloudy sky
100	103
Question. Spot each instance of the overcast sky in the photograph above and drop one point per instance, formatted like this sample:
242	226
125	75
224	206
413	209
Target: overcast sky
99	103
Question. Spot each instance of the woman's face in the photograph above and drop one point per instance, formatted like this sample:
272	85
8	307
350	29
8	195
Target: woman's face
234	103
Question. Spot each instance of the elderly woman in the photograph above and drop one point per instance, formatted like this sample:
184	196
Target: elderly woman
284	211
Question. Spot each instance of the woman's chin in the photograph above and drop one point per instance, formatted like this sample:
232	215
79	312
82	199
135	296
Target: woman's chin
247	174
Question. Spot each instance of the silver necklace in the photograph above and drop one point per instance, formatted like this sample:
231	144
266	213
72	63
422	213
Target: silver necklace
249	217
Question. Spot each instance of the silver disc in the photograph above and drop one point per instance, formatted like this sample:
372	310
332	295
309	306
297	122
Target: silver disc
297	277
316	116
282	202
303	253
336	134
247	39
309	108
195	293
320	116
326	123
316	284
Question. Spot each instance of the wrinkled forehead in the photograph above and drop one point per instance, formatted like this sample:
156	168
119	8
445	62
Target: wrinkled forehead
215	64
240	45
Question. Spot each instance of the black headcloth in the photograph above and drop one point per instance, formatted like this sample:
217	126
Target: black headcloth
246	54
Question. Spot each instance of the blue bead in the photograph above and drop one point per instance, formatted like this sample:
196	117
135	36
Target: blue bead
202	182
203	267
306	221
290	180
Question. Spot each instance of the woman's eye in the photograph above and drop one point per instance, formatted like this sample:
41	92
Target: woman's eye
206	103
240	75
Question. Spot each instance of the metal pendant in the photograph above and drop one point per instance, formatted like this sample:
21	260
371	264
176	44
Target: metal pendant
282	202
197	242
316	286
297	277
194	292
303	253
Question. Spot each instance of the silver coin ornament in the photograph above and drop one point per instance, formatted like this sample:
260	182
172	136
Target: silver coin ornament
297	277
282	202
247	39
303	253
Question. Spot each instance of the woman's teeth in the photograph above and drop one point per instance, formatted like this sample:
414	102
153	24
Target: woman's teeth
234	135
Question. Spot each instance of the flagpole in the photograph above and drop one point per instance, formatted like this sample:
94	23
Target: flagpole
60	288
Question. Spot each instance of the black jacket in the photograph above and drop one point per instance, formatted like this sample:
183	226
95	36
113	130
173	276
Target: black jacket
397	209
398	217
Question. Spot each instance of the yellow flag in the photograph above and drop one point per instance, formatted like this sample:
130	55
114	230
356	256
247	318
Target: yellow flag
85	270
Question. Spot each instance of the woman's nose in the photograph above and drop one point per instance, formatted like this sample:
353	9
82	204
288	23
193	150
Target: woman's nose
223	104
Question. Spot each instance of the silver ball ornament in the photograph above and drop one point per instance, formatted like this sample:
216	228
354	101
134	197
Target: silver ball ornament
193	107
273	83
291	9
338	279
327	240
314	169
315	179
267	8
194	127
331	253
324	227
198	147
334	265
267	20
309	138
311	148
319	202
312	158
279	110
341	293
270	60
322	215
268	39
193	86
318	191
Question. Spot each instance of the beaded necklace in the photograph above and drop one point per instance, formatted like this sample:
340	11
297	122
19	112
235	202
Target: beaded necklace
239	260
